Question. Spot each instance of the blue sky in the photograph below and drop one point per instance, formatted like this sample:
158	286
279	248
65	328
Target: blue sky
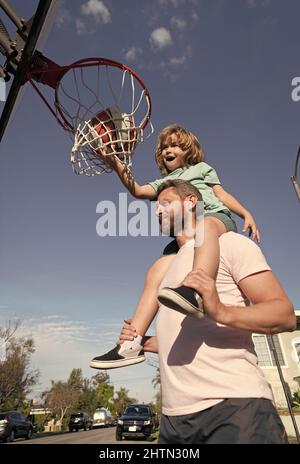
222	69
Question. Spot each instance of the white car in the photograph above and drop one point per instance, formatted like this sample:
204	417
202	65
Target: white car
102	418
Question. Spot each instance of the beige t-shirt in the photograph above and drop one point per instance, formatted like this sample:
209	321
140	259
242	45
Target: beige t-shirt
203	362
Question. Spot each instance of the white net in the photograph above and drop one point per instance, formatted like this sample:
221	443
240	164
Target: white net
109	110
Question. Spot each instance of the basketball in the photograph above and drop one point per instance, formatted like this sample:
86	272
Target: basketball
112	133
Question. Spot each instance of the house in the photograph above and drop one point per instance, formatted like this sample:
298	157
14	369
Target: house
287	347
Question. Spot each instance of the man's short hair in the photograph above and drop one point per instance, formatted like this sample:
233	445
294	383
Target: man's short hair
182	187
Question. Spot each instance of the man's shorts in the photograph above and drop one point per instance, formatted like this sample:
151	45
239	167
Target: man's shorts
224	216
232	421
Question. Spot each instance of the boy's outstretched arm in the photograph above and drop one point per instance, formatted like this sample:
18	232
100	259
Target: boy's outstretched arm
137	190
236	207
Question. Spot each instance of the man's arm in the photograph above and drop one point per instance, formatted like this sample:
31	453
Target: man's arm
150	344
271	310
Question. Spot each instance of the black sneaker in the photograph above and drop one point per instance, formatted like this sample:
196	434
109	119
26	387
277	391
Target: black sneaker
183	299
118	357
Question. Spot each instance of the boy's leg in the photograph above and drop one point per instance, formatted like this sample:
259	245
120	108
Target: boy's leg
206	256
131	351
147	305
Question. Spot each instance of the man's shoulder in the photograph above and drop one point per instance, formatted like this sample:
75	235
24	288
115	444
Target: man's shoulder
233	243
234	237
241	256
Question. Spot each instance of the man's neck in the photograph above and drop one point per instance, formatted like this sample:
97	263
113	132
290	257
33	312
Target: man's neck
184	237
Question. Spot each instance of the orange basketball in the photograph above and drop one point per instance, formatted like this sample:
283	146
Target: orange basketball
104	126
112	132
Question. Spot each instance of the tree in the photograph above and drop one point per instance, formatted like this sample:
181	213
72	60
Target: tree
99	378
75	380
122	399
60	398
93	393
156	382
296	399
104	395
16	377
78	394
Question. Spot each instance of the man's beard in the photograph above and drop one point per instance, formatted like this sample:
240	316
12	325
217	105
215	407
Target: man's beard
170	227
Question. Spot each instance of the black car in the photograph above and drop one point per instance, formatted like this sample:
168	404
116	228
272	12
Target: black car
13	425
137	420
80	420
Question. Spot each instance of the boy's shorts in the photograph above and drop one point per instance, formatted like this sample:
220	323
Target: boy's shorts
223	216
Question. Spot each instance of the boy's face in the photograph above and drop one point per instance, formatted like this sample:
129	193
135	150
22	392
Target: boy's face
173	156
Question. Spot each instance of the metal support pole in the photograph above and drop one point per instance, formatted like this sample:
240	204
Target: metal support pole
286	392
19	22
294	177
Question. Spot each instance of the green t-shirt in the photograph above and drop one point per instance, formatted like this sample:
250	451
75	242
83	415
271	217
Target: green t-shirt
200	175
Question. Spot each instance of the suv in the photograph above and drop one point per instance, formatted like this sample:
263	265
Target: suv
80	420
137	420
13	425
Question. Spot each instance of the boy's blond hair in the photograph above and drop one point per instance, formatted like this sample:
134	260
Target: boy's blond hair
188	143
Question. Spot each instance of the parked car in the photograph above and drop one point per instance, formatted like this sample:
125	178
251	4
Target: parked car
137	420
80	420
102	418
13	425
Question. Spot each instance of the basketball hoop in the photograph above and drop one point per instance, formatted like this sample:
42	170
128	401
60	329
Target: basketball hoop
103	104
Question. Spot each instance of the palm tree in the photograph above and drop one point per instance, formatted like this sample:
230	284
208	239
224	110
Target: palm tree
122	399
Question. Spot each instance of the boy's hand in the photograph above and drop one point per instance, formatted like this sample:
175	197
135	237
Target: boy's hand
110	160
128	332
251	225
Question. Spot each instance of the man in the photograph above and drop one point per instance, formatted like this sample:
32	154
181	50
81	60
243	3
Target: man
212	388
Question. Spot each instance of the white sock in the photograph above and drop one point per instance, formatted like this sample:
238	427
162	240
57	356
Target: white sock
134	344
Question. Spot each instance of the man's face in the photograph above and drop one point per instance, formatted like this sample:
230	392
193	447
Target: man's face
170	212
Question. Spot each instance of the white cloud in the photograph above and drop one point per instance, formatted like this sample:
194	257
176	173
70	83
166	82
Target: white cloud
195	16
180	60
133	53
64	16
161	38
63	344
174	3
178	23
257	3
98	10
177	3
80	27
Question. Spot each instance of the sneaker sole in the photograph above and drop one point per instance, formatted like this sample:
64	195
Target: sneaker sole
116	364
171	299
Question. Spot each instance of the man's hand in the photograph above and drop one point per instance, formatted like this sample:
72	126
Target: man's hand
206	286
128	332
250	224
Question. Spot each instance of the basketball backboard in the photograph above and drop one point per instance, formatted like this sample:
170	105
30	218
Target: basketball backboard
18	51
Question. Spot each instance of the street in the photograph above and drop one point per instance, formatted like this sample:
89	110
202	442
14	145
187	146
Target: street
89	437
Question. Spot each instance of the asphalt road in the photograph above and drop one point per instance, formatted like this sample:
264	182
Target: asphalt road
93	437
